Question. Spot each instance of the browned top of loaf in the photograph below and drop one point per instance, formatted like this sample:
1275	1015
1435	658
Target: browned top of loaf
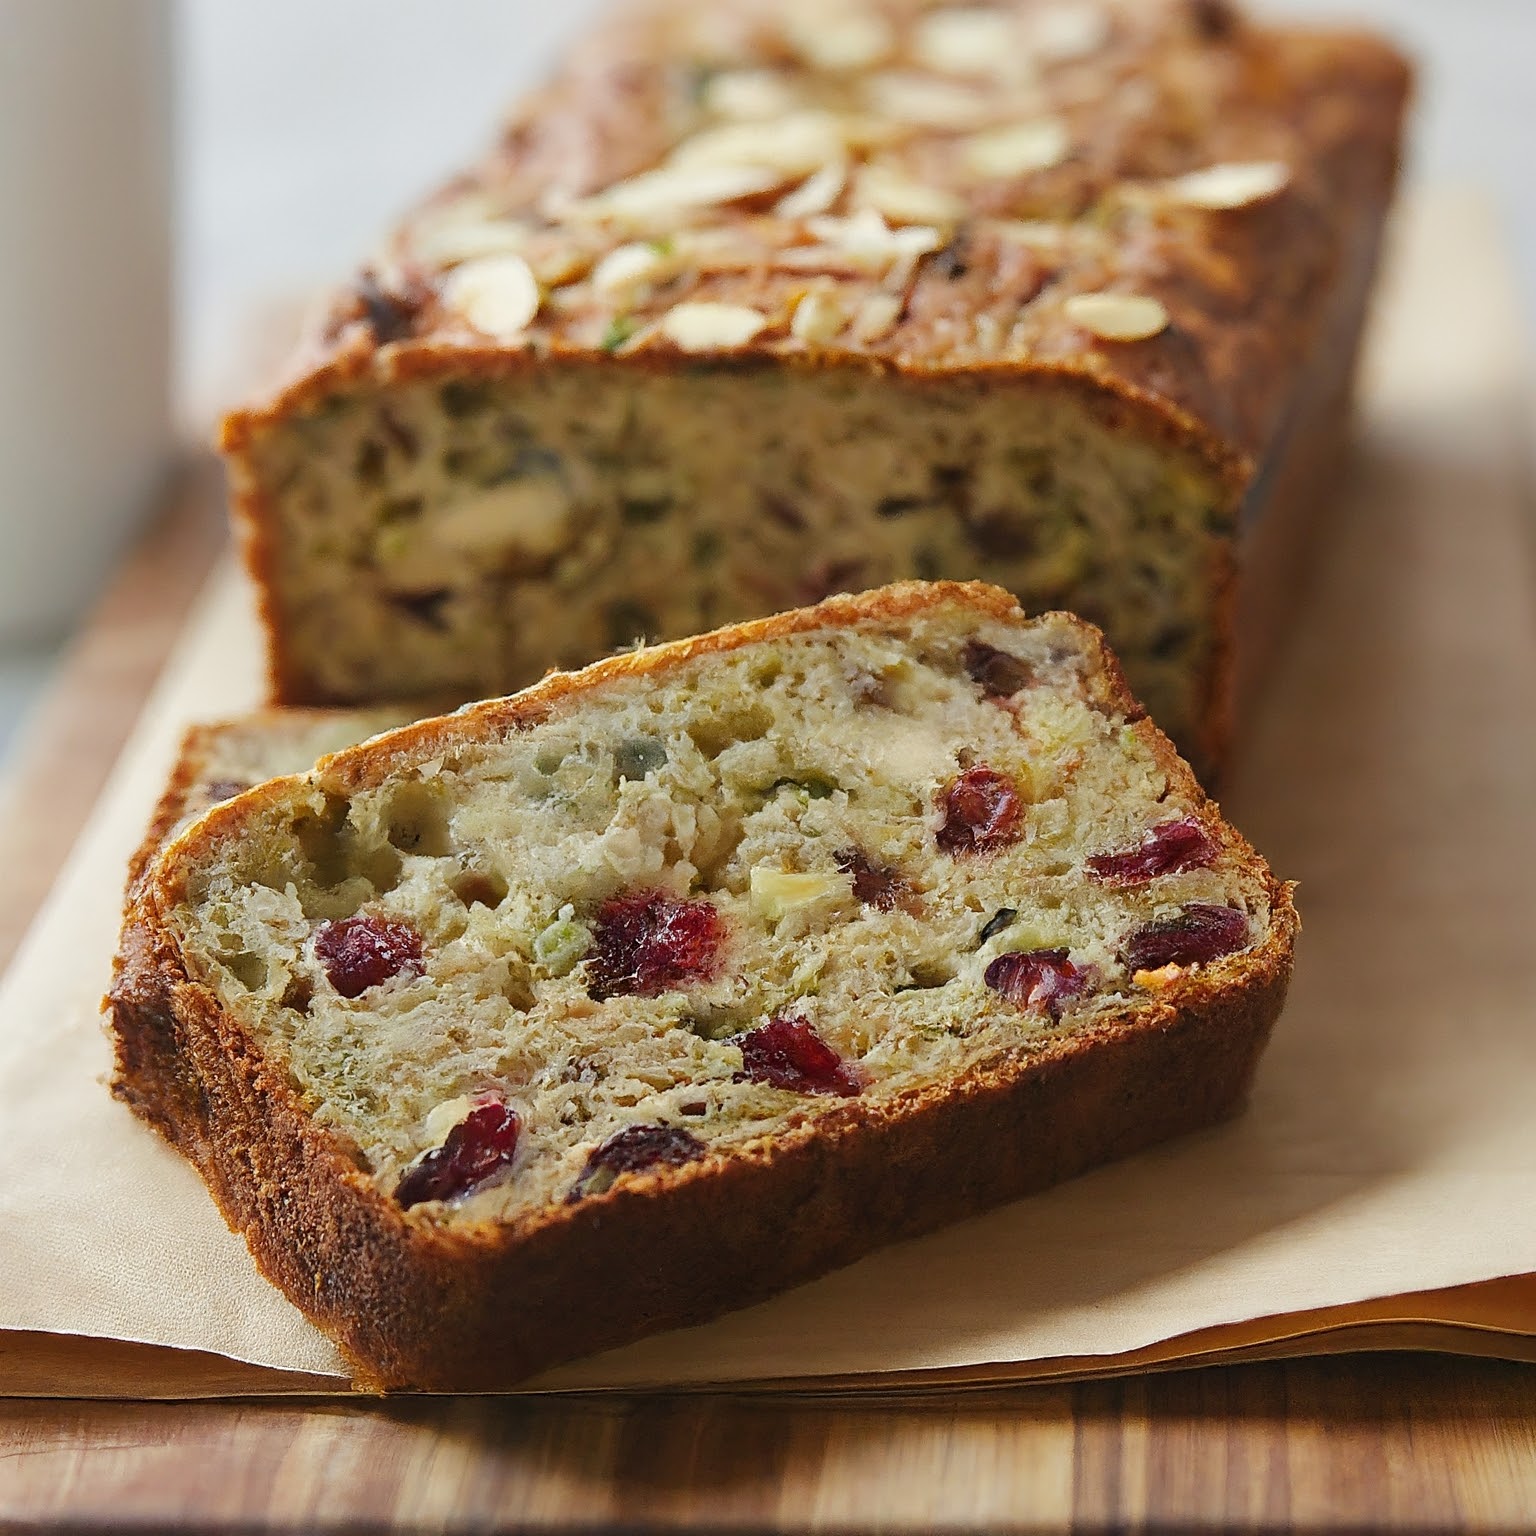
949	198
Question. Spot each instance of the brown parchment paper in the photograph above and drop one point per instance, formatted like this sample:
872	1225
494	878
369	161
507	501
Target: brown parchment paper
1377	1193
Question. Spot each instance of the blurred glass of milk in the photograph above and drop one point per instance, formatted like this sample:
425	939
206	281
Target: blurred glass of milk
85	268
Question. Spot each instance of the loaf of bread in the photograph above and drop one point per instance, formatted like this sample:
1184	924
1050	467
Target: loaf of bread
761	300
658	987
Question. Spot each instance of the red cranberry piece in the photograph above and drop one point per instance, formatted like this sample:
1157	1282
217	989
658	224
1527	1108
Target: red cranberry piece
876	885
1043	979
1200	932
483	1141
1165	850
830	576
391	316
360	952
629	1151
999	675
982	811
648	941
1214	20
788	1053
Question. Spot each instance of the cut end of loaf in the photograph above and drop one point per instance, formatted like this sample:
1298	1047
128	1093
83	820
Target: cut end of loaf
463	532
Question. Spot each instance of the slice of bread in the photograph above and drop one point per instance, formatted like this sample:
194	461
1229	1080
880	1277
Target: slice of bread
221	759
217	760
663	985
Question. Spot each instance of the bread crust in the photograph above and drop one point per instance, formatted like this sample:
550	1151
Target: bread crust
417	1303
1251	291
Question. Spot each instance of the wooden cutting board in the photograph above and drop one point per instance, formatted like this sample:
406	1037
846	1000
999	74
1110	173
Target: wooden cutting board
1400	1442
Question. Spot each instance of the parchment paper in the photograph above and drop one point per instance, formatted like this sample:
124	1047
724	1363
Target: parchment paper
1390	1148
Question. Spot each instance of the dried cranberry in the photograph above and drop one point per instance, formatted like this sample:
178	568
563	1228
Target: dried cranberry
876	885
629	1151
950	262
1168	849
781	511
982	811
361	952
1213	20
999	675
1200	932
788	1053
390	316
483	1141
1043	979
425	607
1001	534
830	576
648	941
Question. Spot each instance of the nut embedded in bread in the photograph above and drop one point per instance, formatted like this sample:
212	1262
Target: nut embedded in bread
663	985
738	314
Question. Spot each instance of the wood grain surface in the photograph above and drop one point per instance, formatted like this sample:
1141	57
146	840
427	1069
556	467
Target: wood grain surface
1403	1442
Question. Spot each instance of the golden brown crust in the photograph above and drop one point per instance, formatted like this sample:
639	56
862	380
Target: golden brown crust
419	1304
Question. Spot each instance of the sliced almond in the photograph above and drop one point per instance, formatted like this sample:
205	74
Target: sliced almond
901	200
1117	316
531	516
496	294
776	892
826	259
871	245
631	267
838	36
876	317
970	40
928	101
443	1118
1066	32
820	316
865	131
702	326
816	194
1236	185
558	263
1020	149
673	190
749	95
1039	234
794	145
446	242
